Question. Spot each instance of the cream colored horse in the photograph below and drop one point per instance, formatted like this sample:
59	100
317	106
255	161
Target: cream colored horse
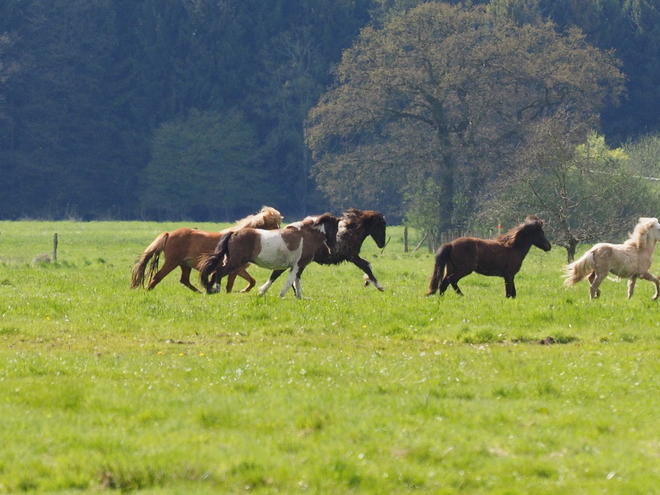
630	260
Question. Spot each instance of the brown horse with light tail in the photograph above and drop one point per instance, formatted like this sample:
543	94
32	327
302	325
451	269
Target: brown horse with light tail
500	257
183	248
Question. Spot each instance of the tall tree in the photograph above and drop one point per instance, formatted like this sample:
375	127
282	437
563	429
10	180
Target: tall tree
469	84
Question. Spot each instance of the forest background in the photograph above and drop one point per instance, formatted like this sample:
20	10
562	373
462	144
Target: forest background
200	110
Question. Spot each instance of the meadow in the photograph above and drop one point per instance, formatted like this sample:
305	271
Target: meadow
348	390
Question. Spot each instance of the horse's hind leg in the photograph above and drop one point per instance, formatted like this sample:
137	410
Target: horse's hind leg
595	279
161	274
631	286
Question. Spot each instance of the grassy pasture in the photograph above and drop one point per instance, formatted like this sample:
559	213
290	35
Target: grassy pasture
346	391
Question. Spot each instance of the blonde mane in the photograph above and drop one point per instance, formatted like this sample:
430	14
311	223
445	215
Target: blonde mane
639	235
268	214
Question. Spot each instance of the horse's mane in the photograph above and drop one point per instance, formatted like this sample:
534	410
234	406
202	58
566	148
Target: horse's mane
354	218
638	237
258	220
531	224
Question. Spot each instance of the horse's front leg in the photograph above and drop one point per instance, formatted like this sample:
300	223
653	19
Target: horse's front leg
366	267
269	282
655	280
510	287
292	279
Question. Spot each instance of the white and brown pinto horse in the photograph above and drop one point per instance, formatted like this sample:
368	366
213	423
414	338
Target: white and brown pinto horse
183	248
630	260
292	247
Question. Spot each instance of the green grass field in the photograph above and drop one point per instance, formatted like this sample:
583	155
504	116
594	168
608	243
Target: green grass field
348	390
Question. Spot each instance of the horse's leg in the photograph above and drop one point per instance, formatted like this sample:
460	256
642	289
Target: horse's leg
591	278
297	284
596	278
631	285
230	281
269	282
509	287
243	273
452	277
291	280
185	277
655	280
366	267
161	274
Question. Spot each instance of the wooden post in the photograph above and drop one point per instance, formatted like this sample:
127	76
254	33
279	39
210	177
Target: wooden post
405	239
55	247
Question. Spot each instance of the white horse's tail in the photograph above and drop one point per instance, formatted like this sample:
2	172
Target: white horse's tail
578	270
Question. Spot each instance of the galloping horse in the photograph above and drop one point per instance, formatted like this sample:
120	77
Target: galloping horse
184	246
292	247
354	227
630	260
500	257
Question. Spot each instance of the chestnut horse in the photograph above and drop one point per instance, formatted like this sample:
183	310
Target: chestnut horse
500	257
184	246
292	247
354	227
630	260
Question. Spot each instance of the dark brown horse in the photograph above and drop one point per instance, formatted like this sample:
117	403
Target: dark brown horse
183	248
290	248
354	227
500	257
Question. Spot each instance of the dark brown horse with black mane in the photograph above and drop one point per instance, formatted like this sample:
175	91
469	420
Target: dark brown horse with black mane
183	248
500	257
354	227
292	247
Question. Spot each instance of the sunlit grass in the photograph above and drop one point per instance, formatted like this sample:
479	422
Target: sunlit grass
346	391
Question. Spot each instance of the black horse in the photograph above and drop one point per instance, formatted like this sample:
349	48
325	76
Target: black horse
354	227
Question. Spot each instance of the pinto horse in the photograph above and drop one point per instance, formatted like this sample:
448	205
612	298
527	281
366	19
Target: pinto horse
354	227
292	247
630	260
500	257
184	246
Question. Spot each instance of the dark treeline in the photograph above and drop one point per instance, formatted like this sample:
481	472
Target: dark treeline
173	109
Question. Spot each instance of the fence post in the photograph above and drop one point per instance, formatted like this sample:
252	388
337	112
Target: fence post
405	239
55	247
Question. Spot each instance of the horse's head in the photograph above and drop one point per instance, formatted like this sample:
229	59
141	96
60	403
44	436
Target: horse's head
330	225
653	226
536	233
377	227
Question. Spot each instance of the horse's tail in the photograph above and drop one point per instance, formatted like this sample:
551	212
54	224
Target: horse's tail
152	253
208	263
579	269
441	259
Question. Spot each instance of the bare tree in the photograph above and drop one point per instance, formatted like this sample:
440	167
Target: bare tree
567	175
